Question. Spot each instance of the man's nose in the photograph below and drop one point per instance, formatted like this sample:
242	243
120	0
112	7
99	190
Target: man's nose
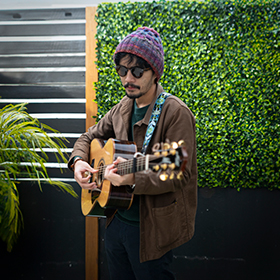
129	77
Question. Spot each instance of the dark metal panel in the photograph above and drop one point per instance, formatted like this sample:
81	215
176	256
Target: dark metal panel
66	126
37	61
56	108
71	141
42	14
57	173
43	29
54	173
52	158
41	91
42	47
51	245
41	77
46	107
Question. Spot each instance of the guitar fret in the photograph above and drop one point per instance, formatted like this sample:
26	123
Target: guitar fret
127	167
140	164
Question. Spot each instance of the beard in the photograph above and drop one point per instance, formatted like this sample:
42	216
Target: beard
133	96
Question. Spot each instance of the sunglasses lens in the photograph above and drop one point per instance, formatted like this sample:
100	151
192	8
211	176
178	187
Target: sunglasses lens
137	72
122	71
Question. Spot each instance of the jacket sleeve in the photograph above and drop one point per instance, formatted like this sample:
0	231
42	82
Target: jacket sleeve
181	126
103	130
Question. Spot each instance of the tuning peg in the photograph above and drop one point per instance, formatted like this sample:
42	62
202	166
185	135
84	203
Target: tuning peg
173	152
164	166
163	176
166	146
180	175
156	168
171	177
157	154
174	145
181	143
172	166
164	153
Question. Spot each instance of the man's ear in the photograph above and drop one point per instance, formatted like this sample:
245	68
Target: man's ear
156	79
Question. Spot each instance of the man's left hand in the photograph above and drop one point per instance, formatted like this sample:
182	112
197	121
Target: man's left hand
116	179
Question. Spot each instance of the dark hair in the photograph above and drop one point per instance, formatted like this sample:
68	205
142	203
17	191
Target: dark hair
139	61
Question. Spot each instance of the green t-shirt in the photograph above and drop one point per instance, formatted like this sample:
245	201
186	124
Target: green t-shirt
131	216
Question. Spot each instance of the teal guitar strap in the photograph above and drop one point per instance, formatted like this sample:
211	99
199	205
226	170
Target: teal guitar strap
154	119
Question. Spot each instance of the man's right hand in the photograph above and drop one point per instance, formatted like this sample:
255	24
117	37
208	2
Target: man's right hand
81	171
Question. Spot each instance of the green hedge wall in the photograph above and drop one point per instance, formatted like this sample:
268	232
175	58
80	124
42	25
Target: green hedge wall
222	58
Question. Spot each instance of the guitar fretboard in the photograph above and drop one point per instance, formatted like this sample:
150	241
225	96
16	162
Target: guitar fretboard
127	167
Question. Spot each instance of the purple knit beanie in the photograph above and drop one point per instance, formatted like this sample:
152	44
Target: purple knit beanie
146	43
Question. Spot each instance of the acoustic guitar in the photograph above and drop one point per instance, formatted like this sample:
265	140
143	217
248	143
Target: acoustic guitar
103	153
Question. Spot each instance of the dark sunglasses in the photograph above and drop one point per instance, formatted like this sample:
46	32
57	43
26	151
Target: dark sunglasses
136	71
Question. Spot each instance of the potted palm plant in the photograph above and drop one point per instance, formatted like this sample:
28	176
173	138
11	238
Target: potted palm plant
22	155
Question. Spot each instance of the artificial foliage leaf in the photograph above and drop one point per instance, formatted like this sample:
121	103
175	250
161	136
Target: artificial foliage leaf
222	59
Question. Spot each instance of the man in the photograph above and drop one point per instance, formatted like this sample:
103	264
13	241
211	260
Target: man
139	241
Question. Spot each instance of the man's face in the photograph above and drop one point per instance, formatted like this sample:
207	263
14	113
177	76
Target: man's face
136	87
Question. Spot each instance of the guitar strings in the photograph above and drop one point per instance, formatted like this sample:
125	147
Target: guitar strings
123	166
127	165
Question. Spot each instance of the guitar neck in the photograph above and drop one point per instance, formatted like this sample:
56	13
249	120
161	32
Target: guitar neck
173	159
132	166
127	167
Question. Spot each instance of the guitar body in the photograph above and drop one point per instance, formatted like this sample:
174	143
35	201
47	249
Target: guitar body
102	153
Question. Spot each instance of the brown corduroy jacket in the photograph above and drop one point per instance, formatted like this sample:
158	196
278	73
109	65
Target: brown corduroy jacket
167	209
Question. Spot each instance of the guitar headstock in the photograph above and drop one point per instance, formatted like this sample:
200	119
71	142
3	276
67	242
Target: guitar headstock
170	157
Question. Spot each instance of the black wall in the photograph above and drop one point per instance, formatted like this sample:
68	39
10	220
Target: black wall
237	238
52	243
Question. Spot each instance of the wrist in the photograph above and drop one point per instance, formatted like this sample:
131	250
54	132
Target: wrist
76	158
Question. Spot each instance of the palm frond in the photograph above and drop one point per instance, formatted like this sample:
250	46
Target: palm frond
21	137
11	220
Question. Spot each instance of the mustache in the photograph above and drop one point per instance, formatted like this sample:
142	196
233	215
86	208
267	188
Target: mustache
131	85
